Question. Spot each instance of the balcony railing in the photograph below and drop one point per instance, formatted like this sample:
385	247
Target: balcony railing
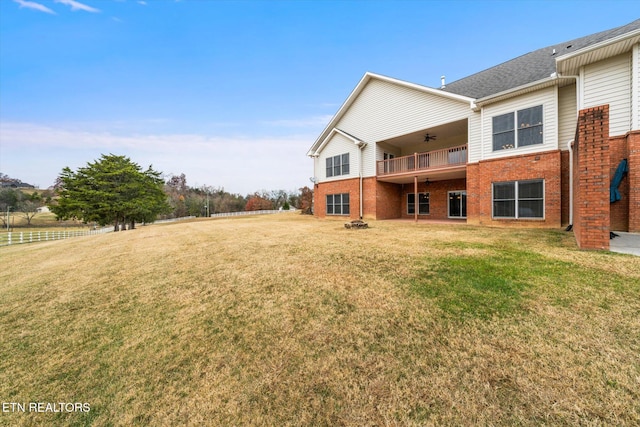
431	160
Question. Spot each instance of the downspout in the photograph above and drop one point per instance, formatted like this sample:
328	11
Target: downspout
361	146
314	180
570	143
570	184
481	134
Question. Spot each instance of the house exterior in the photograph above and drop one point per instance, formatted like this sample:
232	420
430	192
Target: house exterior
531	142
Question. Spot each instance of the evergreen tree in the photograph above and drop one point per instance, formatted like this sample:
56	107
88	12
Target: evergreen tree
112	190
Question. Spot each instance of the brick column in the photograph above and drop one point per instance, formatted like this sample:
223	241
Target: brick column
473	194
591	179
633	141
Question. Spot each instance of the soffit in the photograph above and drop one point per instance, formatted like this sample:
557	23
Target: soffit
570	64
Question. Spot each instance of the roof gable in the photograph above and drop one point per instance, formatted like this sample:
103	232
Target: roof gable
366	79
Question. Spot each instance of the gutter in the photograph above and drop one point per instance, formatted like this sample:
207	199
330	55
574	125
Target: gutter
509	93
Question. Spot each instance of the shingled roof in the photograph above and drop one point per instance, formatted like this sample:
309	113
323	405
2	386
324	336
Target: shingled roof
528	68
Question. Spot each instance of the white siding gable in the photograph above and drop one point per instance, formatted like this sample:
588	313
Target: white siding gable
609	82
337	145
474	145
546	98
567	115
384	110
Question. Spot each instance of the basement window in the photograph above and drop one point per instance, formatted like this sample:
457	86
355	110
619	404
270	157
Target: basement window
338	204
518	199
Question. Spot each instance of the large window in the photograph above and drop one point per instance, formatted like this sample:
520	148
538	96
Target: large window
518	199
519	129
423	203
338	204
338	165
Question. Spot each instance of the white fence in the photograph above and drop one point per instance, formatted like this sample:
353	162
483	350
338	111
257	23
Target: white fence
245	213
163	221
18	237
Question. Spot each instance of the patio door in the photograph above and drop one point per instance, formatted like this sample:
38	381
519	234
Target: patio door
457	204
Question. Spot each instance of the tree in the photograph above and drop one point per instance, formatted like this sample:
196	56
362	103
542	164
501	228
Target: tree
306	200
221	202
17	201
29	206
112	190
177	189
9	200
258	203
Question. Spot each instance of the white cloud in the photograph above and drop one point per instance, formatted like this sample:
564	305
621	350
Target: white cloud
239	164
35	6
78	6
312	122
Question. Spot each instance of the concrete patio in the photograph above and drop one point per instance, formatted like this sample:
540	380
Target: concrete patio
626	243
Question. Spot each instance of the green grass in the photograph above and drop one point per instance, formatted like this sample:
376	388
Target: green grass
476	286
289	320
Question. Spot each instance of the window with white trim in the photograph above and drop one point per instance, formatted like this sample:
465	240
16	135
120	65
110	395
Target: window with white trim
338	165
423	203
338	204
518	199
518	129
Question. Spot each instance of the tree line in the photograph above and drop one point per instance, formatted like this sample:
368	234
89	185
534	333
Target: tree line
114	190
206	200
22	202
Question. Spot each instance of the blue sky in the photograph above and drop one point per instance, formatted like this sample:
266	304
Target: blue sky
233	93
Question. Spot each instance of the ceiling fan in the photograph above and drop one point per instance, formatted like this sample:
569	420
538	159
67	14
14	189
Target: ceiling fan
428	138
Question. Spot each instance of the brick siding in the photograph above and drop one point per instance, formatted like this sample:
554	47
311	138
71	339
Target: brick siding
633	142
591	168
388	200
438	197
564	186
619	211
381	200
481	176
351	186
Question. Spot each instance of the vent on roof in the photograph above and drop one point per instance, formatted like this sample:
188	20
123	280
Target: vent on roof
553	53
442	85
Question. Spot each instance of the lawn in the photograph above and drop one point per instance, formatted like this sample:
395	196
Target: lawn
45	221
289	320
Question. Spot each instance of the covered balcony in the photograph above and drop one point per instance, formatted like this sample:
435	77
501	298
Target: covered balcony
436	160
436	154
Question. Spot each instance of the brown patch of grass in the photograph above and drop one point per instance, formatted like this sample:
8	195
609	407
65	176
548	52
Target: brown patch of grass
289	320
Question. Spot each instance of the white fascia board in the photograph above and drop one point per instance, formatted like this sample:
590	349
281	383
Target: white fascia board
358	142
355	140
597	46
509	93
426	89
322	139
